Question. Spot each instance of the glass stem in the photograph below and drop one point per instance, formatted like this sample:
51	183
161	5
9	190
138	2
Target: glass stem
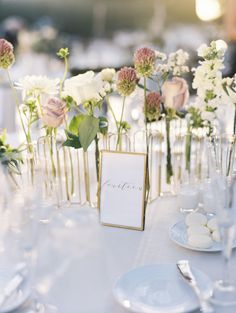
226	270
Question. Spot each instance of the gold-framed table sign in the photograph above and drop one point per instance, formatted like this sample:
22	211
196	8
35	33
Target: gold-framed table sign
122	190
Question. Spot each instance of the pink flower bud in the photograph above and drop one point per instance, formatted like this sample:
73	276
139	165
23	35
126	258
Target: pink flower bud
144	61
126	81
7	57
153	103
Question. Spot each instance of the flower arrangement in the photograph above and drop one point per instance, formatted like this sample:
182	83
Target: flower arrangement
171	94
208	82
212	92
75	103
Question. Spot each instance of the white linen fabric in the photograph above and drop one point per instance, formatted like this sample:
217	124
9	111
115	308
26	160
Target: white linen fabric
99	255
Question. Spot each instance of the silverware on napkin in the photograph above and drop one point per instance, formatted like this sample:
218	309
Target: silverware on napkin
13	284
185	270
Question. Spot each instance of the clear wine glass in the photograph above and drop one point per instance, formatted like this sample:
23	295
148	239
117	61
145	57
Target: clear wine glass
224	293
27	230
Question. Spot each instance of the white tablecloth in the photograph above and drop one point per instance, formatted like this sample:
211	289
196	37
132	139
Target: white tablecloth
101	254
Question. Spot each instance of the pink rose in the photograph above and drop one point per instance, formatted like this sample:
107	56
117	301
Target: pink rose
54	112
175	93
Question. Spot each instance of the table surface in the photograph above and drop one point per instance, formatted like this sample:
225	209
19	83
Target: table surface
86	258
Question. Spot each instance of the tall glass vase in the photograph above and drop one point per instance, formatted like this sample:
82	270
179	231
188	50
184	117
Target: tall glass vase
60	165
155	164
221	150
169	167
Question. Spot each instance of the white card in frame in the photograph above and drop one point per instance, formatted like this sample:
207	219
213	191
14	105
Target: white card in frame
122	189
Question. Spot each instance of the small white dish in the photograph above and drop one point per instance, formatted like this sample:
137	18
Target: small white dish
178	234
19	296
159	288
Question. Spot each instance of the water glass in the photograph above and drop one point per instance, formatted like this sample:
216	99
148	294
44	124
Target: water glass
224	188
188	198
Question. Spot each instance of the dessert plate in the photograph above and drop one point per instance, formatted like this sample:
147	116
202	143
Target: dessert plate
178	234
159	288
18	297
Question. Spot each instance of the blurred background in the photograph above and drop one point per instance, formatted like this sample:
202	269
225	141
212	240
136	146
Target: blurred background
105	33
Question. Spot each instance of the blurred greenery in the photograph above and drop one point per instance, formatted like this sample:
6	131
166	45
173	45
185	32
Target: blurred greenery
77	16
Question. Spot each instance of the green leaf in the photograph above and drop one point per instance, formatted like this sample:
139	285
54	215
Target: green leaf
88	130
103	125
72	141
74	124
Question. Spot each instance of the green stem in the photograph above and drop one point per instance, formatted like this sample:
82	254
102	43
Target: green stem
51	152
112	112
71	166
147	139
188	149
235	119
145	112
64	75
232	144
169	169
66	175
119	139
26	132
97	156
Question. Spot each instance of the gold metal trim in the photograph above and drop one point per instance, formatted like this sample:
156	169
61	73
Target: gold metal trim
144	204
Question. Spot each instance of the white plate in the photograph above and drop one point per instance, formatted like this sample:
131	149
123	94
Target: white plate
159	289
178	233
18	297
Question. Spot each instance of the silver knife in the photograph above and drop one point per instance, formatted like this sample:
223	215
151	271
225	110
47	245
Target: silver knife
185	270
13	284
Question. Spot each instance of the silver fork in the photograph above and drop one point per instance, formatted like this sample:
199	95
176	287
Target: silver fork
185	270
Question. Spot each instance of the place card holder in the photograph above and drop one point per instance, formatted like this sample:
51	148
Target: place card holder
122	189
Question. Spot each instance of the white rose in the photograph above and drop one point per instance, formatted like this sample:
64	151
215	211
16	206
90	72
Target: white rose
84	87
108	74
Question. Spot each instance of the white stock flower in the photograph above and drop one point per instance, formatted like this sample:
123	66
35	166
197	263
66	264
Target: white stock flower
203	50
163	68
179	57
84	87
228	81
37	85
231	95
221	46
216	49
176	62
160	56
